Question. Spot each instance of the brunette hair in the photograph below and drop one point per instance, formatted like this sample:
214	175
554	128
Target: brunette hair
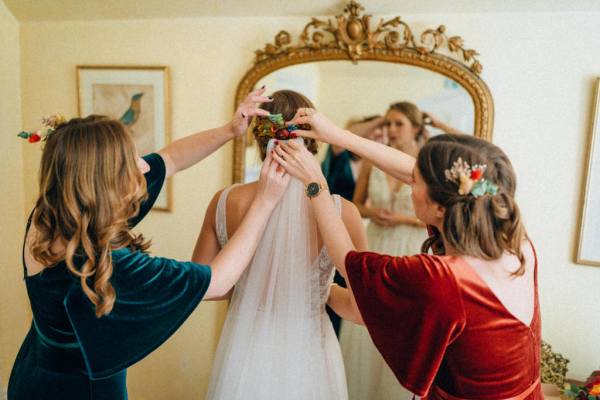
89	187
286	103
484	226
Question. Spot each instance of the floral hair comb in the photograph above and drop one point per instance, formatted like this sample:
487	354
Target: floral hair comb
273	126
470	179
49	125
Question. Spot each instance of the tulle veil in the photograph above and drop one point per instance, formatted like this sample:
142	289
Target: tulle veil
271	346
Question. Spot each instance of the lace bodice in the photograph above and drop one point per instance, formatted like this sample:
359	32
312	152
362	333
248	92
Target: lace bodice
323	272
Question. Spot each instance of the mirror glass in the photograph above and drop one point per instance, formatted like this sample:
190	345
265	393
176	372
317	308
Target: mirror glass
347	92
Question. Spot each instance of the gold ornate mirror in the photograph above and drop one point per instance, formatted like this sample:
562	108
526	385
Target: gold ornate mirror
353	66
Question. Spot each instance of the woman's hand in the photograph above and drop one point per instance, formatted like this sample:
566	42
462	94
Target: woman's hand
321	128
272	183
298	162
388	218
248	109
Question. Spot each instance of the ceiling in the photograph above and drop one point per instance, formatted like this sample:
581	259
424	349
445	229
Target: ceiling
64	10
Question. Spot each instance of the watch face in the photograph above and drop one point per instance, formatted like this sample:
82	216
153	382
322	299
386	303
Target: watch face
312	189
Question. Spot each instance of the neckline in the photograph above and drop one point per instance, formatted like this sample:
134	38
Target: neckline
486	287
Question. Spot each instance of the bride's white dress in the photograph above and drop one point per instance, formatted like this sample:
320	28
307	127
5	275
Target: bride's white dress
277	342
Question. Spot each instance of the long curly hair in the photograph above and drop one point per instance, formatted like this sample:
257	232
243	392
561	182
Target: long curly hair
90	186
485	226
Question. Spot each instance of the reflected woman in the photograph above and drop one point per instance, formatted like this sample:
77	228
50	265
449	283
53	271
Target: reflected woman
393	229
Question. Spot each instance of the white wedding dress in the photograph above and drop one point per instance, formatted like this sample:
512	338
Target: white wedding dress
277	342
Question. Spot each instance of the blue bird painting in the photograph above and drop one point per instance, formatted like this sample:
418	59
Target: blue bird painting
132	114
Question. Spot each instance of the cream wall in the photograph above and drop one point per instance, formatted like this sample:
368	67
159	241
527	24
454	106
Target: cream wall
14	310
539	68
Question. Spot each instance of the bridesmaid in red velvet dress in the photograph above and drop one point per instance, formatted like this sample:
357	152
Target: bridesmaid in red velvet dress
463	323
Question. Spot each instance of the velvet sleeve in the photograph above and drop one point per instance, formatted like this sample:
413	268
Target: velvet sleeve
155	179
154	297
413	310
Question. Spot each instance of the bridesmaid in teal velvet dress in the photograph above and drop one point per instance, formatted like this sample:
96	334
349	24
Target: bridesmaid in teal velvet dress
100	302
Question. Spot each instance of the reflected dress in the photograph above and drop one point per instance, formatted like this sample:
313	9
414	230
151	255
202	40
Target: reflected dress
69	353
441	329
367	374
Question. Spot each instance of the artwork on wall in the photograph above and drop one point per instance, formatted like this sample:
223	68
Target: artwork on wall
588	249
139	98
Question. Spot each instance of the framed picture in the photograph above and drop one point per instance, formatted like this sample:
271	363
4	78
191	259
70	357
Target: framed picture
139	98
588	249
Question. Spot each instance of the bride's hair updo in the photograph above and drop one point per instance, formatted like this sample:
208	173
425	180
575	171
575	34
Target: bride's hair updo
286	103
484	226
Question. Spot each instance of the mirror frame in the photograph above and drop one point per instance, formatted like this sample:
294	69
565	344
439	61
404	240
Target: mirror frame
350	37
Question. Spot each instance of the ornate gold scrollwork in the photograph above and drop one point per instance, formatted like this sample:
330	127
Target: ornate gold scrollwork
350	36
352	33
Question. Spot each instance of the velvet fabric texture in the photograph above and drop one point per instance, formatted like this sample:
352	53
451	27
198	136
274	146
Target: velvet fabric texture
438	325
338	173
70	354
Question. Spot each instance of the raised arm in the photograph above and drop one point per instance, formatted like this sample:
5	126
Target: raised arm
185	152
362	129
394	162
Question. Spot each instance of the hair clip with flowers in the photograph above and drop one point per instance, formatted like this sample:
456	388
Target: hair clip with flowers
470	179
49	125
273	126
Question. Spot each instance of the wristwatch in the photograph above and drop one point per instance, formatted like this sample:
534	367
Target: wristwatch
314	188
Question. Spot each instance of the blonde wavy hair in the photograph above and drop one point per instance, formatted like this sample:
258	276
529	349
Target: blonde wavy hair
90	186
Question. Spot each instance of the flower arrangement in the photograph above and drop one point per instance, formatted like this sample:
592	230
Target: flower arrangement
273	126
589	391
470	179
49	125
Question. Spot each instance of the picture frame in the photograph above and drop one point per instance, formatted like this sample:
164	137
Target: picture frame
138	96
588	244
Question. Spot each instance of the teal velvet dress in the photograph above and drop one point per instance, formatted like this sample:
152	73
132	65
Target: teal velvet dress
70	354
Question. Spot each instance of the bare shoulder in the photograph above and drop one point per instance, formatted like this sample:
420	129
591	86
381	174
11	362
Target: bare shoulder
239	200
241	196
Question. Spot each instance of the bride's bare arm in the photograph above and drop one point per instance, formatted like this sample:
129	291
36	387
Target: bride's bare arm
341	299
207	246
342	302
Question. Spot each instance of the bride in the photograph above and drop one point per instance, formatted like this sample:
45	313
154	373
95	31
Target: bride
277	341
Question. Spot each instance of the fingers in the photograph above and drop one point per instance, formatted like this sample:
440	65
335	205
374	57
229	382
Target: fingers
259	99
266	164
280	160
306	134
259	91
258	111
299	120
292	144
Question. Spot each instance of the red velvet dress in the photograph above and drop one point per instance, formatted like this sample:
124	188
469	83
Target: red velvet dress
442	331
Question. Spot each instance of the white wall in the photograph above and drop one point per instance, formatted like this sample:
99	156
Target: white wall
539	67
14	309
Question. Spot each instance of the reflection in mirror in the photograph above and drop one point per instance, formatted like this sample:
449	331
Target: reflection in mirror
348	92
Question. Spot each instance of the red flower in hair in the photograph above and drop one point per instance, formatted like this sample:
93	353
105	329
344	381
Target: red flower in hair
476	174
34	137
